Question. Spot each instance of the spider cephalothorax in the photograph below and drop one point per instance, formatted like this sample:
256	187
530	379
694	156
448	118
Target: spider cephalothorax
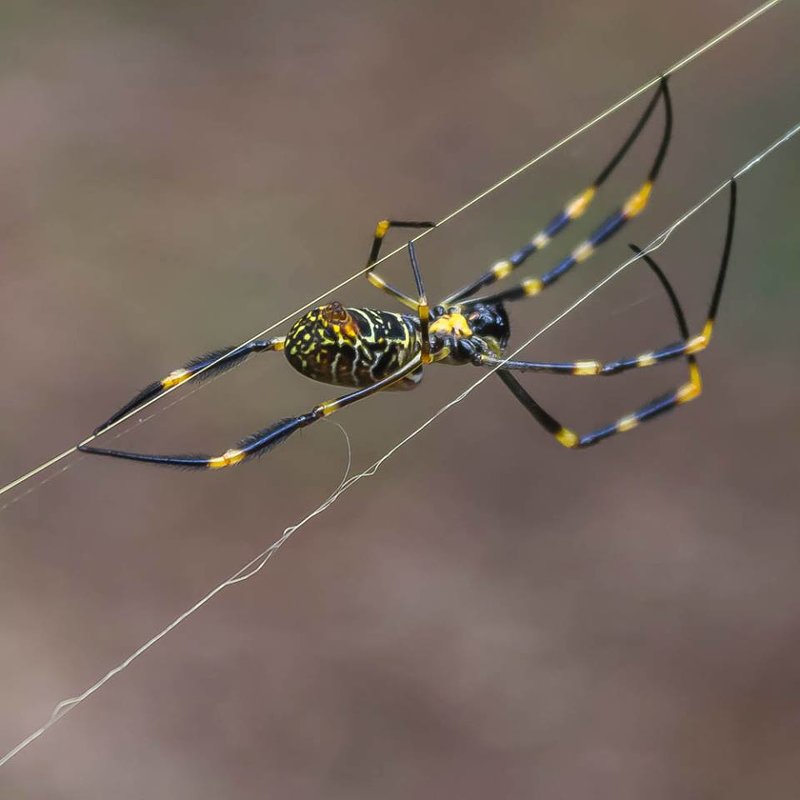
374	350
468	329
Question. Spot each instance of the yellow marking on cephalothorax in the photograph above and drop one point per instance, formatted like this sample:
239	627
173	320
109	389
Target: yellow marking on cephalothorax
636	203
578	205
586	368
583	251
540	240
696	344
451	323
567	437
175	378
382	227
646	360
501	269
228	459
626	423
532	286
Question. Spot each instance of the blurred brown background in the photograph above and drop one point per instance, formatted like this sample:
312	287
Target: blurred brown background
490	615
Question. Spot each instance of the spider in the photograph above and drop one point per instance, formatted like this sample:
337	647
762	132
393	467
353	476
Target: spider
373	350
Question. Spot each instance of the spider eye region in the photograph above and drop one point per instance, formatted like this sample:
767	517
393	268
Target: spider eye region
489	321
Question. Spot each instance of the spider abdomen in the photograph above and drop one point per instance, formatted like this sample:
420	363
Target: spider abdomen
351	346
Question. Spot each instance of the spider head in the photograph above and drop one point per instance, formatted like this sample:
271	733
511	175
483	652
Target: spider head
489	321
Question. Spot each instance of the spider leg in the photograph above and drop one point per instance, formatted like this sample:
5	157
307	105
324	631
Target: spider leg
381	229
221	359
568	438
687	346
258	443
632	207
421	307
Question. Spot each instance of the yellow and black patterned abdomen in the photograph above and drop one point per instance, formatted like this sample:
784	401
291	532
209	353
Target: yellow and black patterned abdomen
351	346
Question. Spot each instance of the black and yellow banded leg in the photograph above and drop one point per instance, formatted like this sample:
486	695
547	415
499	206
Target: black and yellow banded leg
220	359
569	438
260	442
381	229
590	367
574	209
687	346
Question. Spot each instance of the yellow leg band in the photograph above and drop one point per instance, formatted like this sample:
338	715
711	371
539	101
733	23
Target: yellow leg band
583	251
501	269
696	344
646	360
586	368
228	459
175	378
575	208
637	202
567	437
692	389
532	286
327	408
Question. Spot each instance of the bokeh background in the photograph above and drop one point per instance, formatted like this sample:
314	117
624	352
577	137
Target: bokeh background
489	615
